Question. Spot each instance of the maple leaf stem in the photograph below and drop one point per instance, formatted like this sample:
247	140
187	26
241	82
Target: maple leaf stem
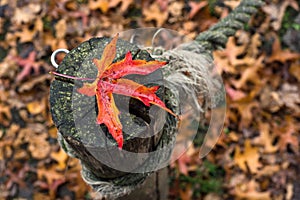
71	77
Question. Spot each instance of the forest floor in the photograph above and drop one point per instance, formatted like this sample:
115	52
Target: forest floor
257	155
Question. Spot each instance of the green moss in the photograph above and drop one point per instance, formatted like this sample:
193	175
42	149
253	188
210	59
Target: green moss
208	178
288	21
47	23
211	5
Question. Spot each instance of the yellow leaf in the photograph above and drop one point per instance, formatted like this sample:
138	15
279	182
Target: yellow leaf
61	157
266	139
250	191
124	4
103	5
60	29
35	107
39	147
186	193
295	70
268	170
248	159
154	13
250	74
26	35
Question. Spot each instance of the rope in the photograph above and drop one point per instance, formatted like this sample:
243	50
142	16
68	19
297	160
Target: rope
216	37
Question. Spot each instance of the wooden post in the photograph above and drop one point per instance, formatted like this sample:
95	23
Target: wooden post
156	187
81	137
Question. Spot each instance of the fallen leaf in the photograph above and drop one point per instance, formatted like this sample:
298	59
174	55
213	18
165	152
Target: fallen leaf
54	43
268	170
28	64
124	4
163	4
280	55
249	158
5	114
53	179
60	29
266	139
295	70
61	157
222	63
36	107
26	14
234	94
34	81
175	9
8	66
250	191
276	11
196	7
39	146
255	45
154	13
26	34
103	5
287	134
186	193
39	195
270	99
289	96
228	59
250	74
244	107
233	51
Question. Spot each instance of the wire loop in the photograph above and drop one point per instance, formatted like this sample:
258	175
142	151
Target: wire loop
53	62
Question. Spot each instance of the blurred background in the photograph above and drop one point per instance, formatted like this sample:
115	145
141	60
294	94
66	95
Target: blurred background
257	156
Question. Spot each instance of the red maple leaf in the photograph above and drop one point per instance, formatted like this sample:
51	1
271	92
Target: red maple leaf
109	80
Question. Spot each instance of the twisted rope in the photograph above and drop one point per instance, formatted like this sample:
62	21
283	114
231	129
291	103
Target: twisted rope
216	37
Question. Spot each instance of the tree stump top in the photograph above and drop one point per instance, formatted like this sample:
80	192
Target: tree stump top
75	114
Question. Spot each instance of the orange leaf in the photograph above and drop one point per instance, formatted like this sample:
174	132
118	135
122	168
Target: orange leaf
278	54
108	56
88	89
252	192
248	159
287	134
266	138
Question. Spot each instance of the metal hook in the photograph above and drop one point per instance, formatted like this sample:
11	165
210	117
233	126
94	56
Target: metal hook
53	62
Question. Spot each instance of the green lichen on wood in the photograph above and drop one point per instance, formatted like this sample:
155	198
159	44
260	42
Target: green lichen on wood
75	114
